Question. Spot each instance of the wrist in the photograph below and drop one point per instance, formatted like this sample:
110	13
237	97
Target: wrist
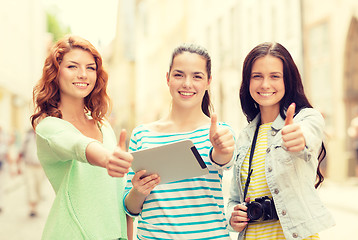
215	158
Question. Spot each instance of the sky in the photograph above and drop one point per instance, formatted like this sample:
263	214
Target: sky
91	19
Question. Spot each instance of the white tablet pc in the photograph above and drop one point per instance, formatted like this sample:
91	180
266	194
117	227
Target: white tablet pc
172	162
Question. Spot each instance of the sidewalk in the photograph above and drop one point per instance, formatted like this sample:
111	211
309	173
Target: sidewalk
341	200
15	224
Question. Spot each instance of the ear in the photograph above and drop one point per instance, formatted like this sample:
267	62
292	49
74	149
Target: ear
209	81
167	76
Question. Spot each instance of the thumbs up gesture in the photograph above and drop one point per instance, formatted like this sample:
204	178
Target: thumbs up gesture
222	140
120	160
292	136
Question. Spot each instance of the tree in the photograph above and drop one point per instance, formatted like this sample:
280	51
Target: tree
55	27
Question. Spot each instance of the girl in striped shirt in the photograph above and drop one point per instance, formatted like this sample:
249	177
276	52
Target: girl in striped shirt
191	208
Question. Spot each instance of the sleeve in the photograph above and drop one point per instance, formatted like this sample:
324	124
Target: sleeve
60	138
312	125
129	186
228	165
235	193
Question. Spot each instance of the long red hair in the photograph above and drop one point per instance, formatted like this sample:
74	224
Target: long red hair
46	93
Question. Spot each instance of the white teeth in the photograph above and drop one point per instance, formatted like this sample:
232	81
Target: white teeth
186	93
266	94
80	84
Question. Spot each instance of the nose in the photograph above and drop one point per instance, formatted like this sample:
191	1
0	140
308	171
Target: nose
187	82
265	83
82	74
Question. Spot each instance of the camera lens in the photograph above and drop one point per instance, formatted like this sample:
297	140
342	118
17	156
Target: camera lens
255	211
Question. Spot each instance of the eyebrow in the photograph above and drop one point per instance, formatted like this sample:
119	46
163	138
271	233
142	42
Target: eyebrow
270	73
179	71
86	64
199	73
175	70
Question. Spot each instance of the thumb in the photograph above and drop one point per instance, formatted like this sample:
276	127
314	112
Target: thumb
213	126
289	114
122	140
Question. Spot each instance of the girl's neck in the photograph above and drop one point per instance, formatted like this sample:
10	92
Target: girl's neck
73	111
268	115
179	121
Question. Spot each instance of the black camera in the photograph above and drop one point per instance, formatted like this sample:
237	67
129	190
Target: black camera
261	209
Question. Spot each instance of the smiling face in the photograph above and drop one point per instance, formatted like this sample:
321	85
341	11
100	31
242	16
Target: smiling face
188	80
267	86
77	74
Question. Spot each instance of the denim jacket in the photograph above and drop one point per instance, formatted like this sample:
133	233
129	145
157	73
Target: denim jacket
290	176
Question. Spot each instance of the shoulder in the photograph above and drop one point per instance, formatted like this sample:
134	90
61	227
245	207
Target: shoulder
309	113
52	125
247	131
105	125
158	126
224	124
139	130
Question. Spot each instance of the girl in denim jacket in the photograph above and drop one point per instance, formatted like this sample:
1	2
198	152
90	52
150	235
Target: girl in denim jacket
284	139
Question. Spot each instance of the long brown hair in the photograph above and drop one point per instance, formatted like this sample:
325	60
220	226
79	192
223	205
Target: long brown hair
46	93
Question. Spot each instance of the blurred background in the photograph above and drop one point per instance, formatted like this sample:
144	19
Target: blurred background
136	38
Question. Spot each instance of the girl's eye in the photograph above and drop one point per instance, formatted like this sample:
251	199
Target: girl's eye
256	76
178	75
71	66
92	68
276	76
198	77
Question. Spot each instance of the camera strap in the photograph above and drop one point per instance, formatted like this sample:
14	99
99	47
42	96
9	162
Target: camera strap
253	145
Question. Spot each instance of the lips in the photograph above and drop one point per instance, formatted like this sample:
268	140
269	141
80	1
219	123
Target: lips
80	84
186	93
266	94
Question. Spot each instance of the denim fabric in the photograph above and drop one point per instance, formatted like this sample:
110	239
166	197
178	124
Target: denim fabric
290	176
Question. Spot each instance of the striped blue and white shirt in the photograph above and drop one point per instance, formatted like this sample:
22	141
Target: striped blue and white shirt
187	209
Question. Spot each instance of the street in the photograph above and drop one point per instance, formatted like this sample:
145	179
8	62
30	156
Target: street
15	224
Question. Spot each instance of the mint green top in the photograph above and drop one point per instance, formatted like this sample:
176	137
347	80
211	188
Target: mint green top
88	203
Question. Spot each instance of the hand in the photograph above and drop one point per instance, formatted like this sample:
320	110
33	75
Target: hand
119	162
222	140
292	136
239	220
145	184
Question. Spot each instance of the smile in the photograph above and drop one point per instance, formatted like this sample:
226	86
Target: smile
266	94
81	84
186	93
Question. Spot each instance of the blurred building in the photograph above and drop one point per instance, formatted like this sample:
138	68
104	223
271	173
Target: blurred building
322	37
22	48
330	30
149	30
230	29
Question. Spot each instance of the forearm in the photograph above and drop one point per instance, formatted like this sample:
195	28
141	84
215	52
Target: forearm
96	154
134	201
129	227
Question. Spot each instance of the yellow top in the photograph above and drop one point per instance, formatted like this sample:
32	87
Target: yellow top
258	188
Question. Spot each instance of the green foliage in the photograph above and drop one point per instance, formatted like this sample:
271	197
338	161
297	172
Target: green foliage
55	27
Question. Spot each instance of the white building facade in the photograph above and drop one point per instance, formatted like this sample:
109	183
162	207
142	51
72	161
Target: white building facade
321	36
22	47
